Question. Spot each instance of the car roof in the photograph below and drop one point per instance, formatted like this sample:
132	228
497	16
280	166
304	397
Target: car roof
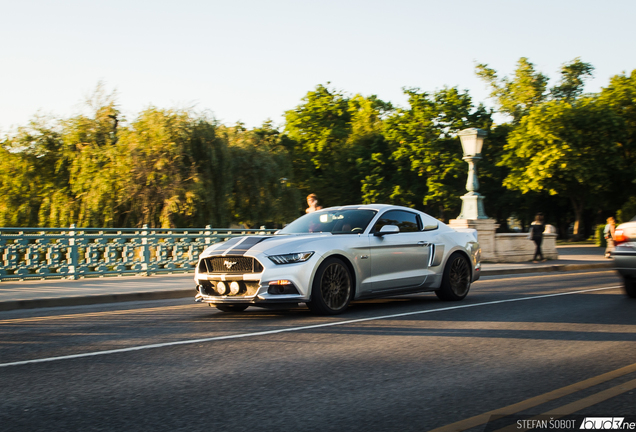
368	207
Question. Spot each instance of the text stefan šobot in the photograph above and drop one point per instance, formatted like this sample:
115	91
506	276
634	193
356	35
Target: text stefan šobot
588	423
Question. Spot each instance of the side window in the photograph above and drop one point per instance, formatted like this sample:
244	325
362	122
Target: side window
406	221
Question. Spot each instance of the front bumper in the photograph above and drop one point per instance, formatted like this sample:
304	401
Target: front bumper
261	298
275	284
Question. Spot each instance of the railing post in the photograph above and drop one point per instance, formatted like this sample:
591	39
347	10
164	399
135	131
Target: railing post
72	255
145	251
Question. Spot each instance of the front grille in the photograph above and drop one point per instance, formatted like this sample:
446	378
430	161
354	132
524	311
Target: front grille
230	264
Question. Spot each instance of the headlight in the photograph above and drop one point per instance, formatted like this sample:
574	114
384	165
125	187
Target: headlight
290	258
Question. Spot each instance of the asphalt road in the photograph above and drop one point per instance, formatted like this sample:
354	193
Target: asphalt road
553	344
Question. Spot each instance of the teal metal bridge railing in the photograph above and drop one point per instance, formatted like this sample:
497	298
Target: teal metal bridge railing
72	253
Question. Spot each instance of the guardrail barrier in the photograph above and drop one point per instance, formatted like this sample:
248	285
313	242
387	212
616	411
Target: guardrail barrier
72	253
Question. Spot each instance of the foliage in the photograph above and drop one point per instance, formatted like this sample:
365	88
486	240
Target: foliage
319	130
570	155
573	76
517	95
335	139
426	153
599	235
33	176
620	96
564	149
261	190
90	156
627	212
562	143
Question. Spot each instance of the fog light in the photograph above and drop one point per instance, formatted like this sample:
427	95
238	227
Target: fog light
281	282
221	288
234	288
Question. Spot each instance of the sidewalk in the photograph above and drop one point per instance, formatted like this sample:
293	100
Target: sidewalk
51	293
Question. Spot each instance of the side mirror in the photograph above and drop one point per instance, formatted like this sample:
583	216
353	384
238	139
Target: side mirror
387	229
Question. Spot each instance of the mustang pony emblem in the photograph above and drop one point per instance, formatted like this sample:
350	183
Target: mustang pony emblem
229	264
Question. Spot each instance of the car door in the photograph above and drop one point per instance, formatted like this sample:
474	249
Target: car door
399	260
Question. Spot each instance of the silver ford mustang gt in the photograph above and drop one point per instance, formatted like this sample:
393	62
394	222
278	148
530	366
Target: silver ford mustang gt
330	257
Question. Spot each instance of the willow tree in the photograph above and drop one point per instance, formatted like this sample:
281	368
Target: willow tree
34	181
261	184
91	157
170	168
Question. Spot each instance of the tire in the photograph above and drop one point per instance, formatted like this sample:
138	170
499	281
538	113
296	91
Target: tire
230	308
456	279
332	288
630	287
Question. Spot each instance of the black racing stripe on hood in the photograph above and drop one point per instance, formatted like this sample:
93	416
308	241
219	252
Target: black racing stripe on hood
228	244
242	247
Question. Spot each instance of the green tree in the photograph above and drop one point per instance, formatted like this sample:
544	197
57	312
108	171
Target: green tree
517	95
573	76
161	186
426	152
319	129
565	149
262	189
90	155
370	148
34	181
620	96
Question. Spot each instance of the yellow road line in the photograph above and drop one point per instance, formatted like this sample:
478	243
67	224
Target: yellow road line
93	314
538	400
586	402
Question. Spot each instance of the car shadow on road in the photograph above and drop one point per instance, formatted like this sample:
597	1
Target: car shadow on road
424	315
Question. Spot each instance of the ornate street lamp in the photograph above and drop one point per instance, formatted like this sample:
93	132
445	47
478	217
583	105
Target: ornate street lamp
472	202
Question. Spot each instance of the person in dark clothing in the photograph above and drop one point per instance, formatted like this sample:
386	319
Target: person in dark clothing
536	235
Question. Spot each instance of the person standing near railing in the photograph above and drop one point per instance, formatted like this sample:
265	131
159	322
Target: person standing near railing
609	236
536	235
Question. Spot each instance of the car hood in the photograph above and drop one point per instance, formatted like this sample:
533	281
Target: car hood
269	245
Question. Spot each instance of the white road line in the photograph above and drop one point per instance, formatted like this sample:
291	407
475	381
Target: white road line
291	329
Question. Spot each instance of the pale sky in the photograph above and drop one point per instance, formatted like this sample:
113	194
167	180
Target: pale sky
251	60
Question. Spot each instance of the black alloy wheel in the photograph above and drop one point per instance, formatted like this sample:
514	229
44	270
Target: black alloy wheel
456	279
332	288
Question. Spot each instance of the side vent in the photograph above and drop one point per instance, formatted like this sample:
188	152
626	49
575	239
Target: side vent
437	253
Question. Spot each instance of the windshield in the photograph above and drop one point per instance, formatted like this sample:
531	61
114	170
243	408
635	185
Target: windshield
335	222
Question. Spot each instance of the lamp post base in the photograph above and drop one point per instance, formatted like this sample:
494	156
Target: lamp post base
473	206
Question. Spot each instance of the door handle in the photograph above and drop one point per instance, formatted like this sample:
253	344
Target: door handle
423	243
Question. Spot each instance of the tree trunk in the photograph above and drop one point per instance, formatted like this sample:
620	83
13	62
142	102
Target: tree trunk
579	232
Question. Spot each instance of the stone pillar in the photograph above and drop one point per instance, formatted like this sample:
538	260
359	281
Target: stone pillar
485	235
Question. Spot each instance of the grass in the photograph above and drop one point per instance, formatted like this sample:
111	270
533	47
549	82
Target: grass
574	243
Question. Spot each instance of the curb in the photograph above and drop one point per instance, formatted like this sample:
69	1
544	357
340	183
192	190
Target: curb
189	292
95	299
548	268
